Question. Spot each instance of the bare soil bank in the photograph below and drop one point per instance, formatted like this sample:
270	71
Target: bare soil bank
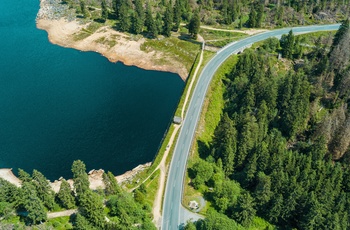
114	45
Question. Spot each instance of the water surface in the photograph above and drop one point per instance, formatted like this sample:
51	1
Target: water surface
59	104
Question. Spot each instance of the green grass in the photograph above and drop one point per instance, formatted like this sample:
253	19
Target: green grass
183	96
217	34
207	55
86	32
261	224
185	51
151	187
214	102
60	223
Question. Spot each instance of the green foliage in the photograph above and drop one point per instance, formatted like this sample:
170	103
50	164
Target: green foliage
65	195
112	187
32	204
83	8
24	176
244	212
283	159
287	44
80	178
194	25
43	189
202	172
91	207
104	10
81	223
168	21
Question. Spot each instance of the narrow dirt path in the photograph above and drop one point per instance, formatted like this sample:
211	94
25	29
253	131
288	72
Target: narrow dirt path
51	215
249	32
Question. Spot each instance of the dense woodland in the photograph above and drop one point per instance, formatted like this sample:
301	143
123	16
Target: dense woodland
111	208
152	18
282	148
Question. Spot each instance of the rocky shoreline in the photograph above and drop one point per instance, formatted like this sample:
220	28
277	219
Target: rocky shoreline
63	27
95	177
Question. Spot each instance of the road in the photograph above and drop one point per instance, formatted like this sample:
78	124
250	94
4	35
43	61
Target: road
173	216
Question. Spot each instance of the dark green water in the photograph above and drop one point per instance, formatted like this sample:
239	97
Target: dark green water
59	104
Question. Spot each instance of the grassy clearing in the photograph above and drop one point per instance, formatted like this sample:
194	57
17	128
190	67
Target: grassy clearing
86	32
220	38
151	187
173	47
60	223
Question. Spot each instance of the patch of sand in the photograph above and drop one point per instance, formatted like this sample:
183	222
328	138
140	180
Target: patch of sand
8	175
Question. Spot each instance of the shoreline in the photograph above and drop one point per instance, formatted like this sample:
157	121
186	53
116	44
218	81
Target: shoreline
113	45
95	177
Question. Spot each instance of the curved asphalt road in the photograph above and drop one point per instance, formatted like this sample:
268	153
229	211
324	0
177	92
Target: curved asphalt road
172	210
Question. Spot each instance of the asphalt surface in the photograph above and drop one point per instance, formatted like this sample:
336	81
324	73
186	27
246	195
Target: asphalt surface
173	216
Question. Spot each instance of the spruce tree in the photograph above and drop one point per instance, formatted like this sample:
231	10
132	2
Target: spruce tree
104	10
32	203
168	21
43	189
65	195
80	178
194	25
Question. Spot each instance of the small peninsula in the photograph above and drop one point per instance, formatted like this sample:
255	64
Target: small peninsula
65	30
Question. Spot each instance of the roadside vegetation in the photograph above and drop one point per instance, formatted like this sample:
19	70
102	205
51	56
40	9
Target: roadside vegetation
280	151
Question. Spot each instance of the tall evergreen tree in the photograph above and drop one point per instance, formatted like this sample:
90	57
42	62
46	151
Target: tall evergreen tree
65	195
168	20
80	178
43	189
287	45
125	22
104	10
32	203
245	212
111	185
194	25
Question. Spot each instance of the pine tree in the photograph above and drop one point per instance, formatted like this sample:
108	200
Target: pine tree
177	15
168	21
32	203
111	185
43	189
124	17
252	22
24	176
343	29
287	43
91	207
150	23
138	17
80	178
83	8
194	25
245	212
104	10
65	195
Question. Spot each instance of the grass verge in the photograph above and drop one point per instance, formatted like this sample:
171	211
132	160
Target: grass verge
210	117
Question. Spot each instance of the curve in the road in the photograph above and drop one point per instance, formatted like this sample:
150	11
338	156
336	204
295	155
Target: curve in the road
173	217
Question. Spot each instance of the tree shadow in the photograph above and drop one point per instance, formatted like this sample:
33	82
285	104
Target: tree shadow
100	20
203	149
187	37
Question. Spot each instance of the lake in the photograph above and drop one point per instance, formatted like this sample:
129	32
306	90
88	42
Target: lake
58	104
